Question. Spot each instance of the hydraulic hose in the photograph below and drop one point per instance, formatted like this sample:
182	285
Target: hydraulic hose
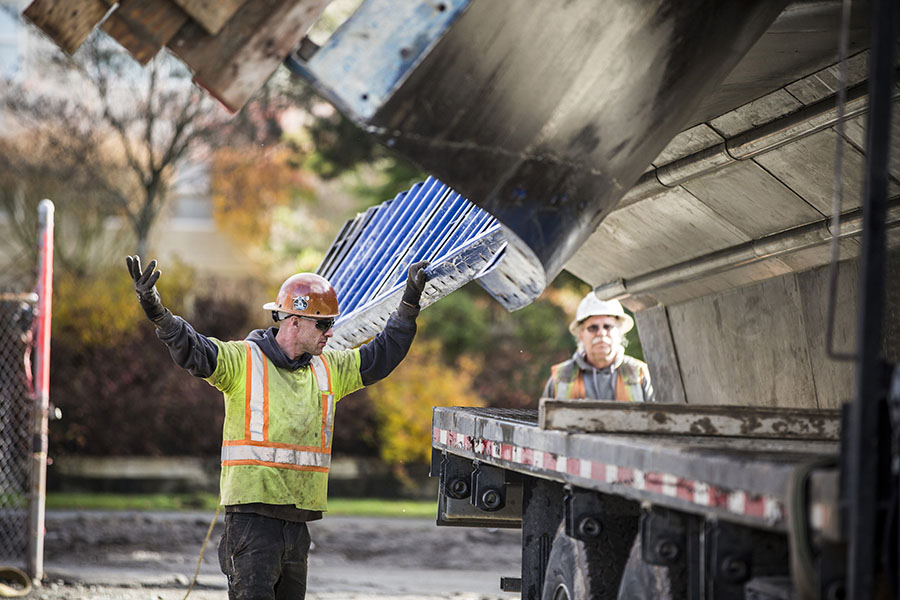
802	554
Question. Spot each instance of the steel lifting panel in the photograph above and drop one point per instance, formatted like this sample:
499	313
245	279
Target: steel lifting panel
368	260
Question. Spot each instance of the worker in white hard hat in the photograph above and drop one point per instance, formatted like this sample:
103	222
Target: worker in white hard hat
600	369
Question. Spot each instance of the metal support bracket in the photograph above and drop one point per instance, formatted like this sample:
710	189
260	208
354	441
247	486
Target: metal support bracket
488	487
456	476
584	514
736	554
730	559
457	505
715	559
664	537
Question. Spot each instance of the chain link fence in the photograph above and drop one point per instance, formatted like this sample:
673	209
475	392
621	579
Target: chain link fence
16	419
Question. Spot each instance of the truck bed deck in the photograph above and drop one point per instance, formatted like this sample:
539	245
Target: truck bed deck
740	480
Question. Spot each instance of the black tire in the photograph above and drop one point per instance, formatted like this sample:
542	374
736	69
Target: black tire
643	581
577	570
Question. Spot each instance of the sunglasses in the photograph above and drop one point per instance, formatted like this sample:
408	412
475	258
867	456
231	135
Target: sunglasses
596	328
322	325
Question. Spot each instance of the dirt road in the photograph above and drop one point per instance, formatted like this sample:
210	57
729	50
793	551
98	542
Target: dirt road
153	556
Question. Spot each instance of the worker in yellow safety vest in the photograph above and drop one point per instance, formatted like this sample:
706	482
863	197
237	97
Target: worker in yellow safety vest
600	369
280	386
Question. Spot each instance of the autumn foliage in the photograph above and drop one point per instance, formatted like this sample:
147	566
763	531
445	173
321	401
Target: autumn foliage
248	185
404	400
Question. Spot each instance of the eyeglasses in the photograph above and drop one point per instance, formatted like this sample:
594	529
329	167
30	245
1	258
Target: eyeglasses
321	324
594	328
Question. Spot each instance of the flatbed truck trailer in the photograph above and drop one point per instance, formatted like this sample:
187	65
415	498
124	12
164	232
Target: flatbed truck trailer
715	510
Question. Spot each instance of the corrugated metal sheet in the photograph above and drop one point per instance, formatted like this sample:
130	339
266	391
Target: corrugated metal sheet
368	260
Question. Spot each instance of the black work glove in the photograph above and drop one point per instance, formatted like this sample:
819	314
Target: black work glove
145	286
415	285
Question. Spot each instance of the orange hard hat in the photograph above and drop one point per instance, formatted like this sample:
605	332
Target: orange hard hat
306	294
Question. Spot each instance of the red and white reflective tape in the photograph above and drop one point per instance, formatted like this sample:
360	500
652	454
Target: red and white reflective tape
739	502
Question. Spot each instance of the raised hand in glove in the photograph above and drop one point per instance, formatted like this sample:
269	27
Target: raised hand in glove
145	286
415	284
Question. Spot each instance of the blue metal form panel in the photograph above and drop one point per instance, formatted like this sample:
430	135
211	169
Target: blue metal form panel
368	260
405	29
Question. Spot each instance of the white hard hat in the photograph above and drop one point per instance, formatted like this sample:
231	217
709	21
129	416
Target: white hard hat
592	306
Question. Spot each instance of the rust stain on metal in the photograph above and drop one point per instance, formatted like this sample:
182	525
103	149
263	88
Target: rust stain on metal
750	424
703	426
796	424
268	47
607	417
595	425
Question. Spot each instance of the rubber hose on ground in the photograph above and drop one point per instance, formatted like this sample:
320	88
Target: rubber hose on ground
21	583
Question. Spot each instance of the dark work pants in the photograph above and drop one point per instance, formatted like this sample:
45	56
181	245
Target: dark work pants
264	558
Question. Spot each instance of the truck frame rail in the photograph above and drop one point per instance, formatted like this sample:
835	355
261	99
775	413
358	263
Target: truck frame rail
747	481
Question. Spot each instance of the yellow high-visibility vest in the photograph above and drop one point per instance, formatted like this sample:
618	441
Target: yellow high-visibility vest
276	443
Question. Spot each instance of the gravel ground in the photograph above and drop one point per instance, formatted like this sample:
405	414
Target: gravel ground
152	556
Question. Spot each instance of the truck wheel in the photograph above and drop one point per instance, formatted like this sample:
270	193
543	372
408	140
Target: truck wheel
643	581
577	570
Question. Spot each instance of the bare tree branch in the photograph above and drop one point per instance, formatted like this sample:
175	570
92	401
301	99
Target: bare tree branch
125	138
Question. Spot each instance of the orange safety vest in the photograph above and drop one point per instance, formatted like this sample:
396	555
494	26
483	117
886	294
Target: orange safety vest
568	380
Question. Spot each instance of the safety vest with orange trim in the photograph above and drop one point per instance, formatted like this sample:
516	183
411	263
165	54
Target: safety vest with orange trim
568	380
276	446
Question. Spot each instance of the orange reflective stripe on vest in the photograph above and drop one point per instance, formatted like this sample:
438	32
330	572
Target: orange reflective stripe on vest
629	377
623	392
320	368
256	448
